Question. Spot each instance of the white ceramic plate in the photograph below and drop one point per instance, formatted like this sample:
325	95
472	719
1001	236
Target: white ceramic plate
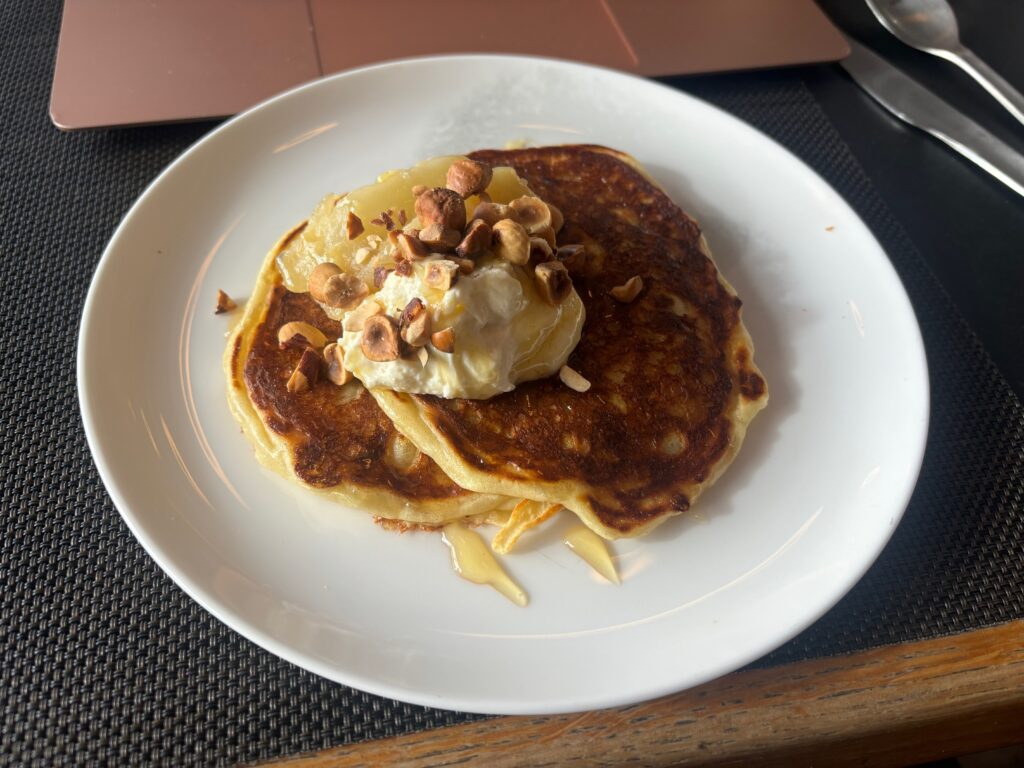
821	482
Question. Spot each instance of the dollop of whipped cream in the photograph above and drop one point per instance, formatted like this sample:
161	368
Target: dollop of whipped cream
504	333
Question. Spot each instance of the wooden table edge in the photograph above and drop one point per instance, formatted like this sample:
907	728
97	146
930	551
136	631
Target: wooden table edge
892	705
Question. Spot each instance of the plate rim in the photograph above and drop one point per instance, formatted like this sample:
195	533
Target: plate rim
352	676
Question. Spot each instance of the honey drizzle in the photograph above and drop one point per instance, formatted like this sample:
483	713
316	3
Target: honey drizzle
593	550
473	561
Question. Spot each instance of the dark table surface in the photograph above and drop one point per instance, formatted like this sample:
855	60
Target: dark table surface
968	226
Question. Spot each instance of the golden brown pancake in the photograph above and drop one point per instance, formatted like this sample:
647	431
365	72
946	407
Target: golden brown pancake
673	380
334	439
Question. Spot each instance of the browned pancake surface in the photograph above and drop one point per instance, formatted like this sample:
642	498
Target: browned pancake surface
337	434
656	420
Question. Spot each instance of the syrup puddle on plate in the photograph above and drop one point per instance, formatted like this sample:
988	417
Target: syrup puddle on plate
473	560
593	550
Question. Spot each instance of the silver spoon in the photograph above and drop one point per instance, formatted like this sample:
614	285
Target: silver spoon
930	26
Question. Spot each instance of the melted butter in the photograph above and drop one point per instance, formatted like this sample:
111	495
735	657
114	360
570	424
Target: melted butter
592	548
473	561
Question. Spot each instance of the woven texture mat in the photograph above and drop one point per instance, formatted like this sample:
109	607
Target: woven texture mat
106	661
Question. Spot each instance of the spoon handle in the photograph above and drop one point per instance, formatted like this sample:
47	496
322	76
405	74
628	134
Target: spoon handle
991	80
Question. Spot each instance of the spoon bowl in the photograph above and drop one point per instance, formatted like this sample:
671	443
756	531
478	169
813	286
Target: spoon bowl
930	26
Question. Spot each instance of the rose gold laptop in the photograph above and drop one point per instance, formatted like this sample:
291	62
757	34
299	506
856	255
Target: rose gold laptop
129	62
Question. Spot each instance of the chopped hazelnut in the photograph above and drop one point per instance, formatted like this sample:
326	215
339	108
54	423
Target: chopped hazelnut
353	226
389	223
380	274
466	266
355	319
415	324
553	281
443	340
511	242
548	234
557	219
298	335
441	206
468	177
362	255
306	372
439	238
573	256
224	303
412	310
531	212
476	241
317	282
380	339
629	290
492	213
441	274
334	356
403	267
540	250
423	356
343	291
411	247
572	379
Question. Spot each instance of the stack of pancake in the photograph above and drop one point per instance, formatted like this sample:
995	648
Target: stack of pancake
673	382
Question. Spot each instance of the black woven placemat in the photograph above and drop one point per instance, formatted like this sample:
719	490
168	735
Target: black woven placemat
105	661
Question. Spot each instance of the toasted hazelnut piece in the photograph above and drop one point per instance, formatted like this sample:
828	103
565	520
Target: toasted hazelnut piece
411	247
531	212
415	324
441	206
439	238
306	372
468	177
373	241
344	291
573	256
418	190
557	219
334	356
492	213
403	267
423	356
548	234
572	379
297	335
466	266
355	319
224	303
380	274
317	282
629	290
441	274
380	339
353	226
476	241
511	242
443	340
540	250
553	281
412	310
393	237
